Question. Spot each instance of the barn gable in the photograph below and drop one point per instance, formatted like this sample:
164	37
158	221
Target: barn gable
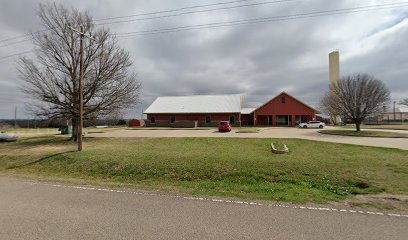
283	110
285	104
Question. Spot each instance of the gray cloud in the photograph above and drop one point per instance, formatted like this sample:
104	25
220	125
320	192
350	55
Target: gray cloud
258	60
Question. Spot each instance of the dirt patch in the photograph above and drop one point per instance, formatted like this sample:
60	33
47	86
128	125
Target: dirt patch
379	201
383	197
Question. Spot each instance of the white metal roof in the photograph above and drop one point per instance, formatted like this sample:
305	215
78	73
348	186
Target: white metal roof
196	104
247	110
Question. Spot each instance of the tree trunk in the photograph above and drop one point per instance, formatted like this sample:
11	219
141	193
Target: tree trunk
358	126
74	136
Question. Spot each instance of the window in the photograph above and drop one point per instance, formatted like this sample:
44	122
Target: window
283	100
208	119
269	120
152	120
172	119
232	119
283	120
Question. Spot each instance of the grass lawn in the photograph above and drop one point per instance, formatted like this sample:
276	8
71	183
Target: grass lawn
247	130
171	128
389	127
365	133
30	130
245	168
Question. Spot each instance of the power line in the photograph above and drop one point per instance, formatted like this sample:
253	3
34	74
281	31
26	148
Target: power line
157	17
265	19
192	12
17	42
22	36
16	37
253	21
172	15
151	13
17	54
171	10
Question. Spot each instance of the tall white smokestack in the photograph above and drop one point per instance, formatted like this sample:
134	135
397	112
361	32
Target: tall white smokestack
334	67
334	76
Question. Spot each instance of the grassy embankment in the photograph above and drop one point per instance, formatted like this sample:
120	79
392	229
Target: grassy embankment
403	126
246	168
365	133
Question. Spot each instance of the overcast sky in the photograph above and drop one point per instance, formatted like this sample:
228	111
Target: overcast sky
257	60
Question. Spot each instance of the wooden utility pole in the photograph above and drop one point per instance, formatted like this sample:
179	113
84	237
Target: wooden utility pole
81	90
81	85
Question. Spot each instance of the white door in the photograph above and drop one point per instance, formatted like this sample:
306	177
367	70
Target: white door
316	124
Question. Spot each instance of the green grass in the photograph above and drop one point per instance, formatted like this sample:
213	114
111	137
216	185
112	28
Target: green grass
53	131
30	130
245	168
365	133
248	130
170	128
403	126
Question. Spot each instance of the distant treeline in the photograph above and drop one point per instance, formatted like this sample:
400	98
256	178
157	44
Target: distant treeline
56	123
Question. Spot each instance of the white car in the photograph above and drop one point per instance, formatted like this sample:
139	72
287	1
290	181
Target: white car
312	124
8	137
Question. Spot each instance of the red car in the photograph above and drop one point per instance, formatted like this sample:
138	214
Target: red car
224	126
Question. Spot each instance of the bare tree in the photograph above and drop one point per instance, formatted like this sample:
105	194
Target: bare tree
51	80
404	102
356	98
329	109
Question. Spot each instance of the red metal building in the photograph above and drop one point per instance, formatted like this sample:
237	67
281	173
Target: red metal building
204	111
136	123
282	110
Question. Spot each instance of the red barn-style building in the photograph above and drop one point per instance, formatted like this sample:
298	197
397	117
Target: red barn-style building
209	110
282	110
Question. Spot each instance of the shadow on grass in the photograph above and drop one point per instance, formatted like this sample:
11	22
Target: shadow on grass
40	141
34	141
39	160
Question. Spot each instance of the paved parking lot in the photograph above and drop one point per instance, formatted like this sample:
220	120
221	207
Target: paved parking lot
275	132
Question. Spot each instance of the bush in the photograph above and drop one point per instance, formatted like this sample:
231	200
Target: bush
121	122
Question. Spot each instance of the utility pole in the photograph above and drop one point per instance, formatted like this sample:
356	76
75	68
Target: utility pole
394	111
81	84
81	90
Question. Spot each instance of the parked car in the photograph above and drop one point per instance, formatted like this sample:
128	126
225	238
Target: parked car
224	126
312	124
8	137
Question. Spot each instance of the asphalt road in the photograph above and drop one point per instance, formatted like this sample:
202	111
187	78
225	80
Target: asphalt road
34	210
